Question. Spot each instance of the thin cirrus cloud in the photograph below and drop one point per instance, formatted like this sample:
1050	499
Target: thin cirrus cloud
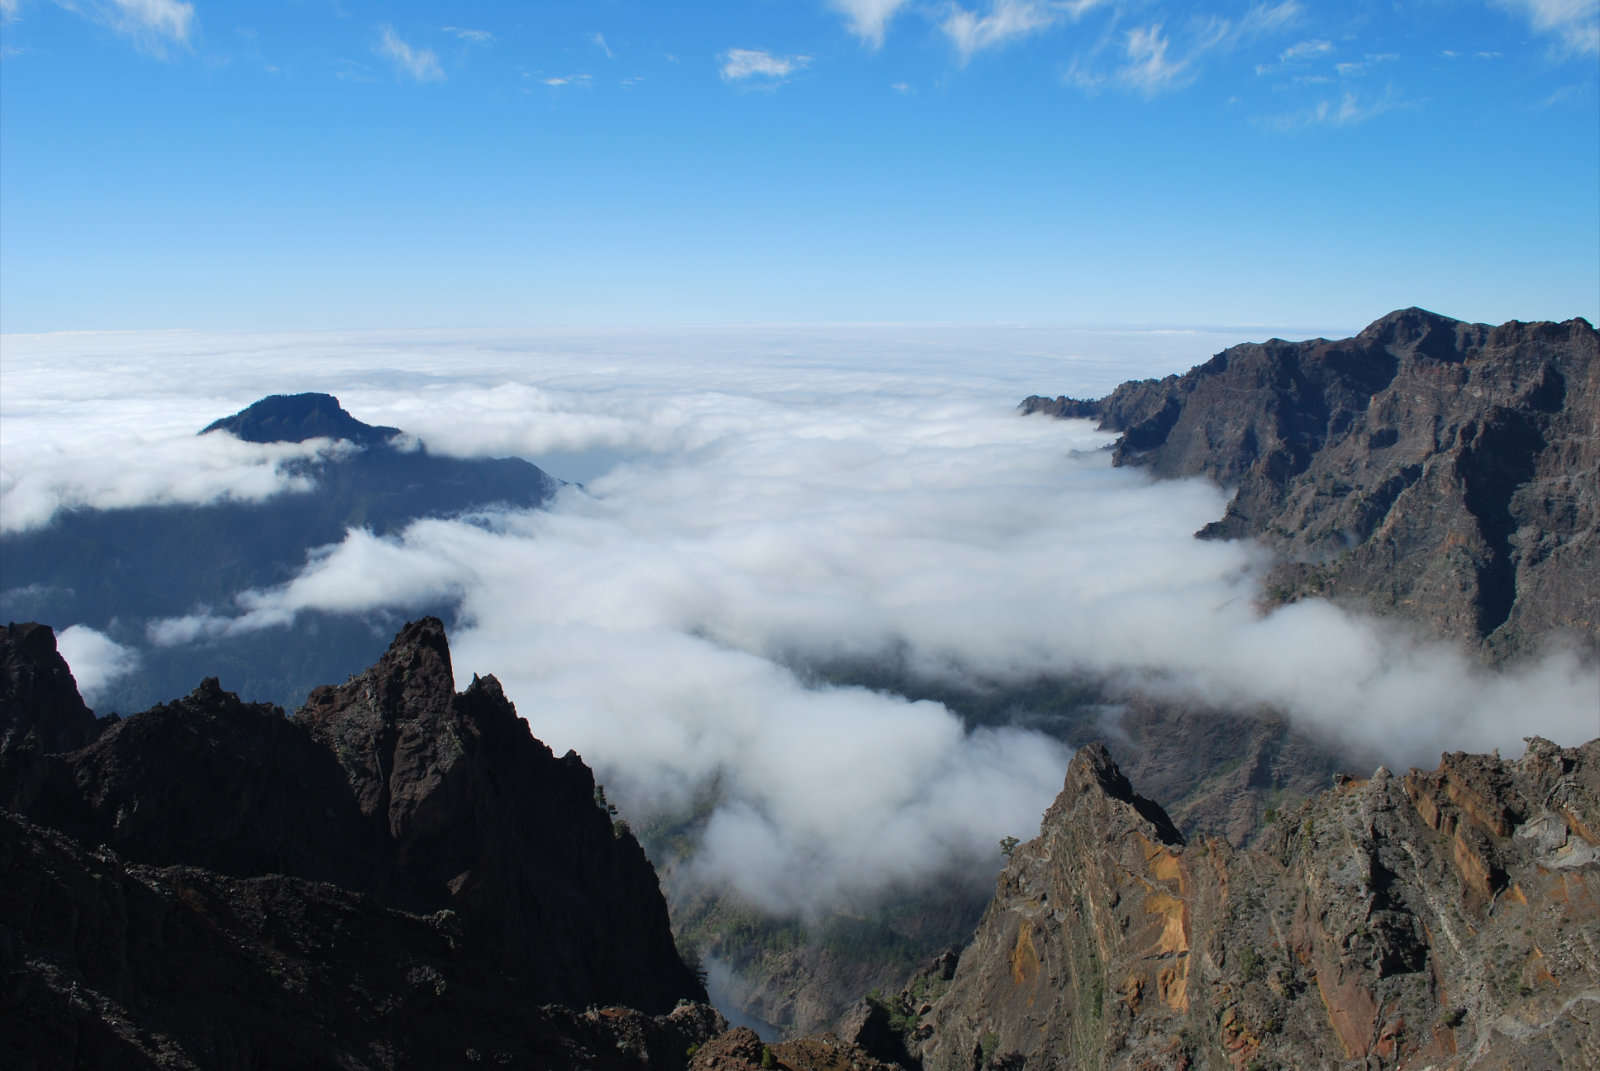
152	25
1351	108
1155	59
743	64
1575	22
417	64
475	37
1296	55
868	19
1005	21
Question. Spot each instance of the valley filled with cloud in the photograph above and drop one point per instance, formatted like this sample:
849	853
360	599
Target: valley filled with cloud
749	508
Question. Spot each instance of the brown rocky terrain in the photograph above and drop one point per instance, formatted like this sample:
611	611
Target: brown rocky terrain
1442	471
1442	919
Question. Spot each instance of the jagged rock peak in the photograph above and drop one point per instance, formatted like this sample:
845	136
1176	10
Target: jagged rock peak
414	677
38	695
294	418
392	785
1093	771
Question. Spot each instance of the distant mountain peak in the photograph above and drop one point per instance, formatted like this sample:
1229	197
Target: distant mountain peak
294	418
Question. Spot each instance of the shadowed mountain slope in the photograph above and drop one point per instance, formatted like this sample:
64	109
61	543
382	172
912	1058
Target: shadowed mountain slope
389	809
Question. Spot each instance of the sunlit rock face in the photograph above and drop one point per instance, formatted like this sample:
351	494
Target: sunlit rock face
1429	468
1441	918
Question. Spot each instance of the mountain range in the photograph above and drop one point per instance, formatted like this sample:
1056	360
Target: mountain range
400	875
1444	472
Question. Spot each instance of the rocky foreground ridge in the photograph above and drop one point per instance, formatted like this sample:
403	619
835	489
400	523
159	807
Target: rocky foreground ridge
1443	471
1444	919
401	876
396	876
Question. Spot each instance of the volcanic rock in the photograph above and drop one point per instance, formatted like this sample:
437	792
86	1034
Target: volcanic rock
1442	919
392	830
1442	471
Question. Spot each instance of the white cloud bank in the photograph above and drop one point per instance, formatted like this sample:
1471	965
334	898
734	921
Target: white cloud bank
773	499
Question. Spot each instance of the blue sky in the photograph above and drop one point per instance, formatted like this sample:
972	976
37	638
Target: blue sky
343	163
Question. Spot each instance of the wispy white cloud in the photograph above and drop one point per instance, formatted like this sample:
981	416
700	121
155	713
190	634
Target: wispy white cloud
1295	55
868	19
152	25
1350	109
1575	22
1006	20
476	37
739	64
598	39
1148	69
1358	68
1154	59
580	80
419	64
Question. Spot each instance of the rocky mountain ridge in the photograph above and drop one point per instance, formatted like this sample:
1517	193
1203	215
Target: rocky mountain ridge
391	825
1445	472
1442	919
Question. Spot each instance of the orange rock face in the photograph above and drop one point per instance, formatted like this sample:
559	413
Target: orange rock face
1435	920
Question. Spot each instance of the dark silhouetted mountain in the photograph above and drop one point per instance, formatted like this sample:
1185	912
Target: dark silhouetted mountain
1438	919
398	869
1442	471
294	418
117	570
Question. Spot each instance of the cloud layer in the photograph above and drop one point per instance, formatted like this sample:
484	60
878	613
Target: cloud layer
761	501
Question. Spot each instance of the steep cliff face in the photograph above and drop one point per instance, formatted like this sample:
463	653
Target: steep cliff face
390	788
1444	919
1444	471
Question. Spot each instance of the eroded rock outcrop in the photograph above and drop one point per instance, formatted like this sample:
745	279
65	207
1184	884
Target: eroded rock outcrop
1442	919
392	827
1444	471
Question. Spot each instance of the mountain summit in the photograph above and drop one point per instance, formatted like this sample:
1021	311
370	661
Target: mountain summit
294	418
1429	468
119	570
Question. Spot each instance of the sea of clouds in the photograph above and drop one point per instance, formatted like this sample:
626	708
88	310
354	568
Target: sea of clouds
752	500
